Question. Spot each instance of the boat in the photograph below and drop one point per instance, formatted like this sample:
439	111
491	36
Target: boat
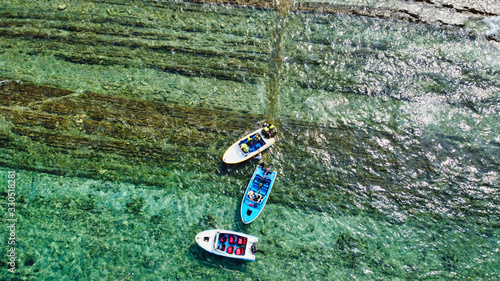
257	193
259	142
228	243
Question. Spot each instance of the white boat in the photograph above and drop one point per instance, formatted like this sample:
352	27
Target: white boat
228	243
235	154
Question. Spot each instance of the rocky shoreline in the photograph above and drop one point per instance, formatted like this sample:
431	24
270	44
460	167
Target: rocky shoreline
463	14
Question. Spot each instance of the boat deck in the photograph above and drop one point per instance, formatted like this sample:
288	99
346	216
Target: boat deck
254	145
231	244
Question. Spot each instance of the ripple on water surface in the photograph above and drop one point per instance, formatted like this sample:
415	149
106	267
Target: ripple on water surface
387	156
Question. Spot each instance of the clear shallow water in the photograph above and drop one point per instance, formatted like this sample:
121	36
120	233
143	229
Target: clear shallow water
387	154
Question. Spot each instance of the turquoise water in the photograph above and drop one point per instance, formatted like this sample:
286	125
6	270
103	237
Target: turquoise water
115	117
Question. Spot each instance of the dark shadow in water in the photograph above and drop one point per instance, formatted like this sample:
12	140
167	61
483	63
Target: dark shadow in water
276	61
229	169
238	223
210	259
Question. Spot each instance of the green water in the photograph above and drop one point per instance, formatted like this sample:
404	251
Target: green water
115	116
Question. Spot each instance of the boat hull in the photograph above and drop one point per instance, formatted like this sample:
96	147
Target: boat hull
251	209
228	243
234	153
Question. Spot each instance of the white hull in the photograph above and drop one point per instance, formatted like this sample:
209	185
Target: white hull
234	154
211	241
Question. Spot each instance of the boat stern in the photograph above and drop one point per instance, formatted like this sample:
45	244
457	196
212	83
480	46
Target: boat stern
248	213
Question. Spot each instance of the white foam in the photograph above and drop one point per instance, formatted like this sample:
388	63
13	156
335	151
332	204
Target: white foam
493	24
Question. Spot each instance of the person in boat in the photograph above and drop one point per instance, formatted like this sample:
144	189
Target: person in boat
258	198
255	197
256	138
267	173
266	168
263	180
250	141
244	147
268	131
251	195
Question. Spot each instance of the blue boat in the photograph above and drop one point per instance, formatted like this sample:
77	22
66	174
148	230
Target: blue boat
257	193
